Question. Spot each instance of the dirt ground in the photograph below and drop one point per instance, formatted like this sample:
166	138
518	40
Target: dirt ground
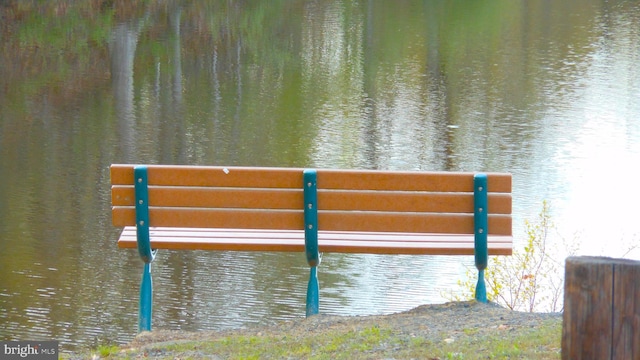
455	322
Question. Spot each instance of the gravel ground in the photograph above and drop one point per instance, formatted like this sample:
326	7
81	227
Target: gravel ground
434	323
426	321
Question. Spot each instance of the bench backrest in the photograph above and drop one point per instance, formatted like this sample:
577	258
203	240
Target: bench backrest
348	200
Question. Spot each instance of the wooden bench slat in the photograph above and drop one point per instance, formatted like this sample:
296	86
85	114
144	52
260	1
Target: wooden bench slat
329	241
327	199
328	220
401	201
170	196
159	232
408	181
176	175
446	223
179	175
204	218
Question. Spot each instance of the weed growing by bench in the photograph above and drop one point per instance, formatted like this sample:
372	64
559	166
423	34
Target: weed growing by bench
532	279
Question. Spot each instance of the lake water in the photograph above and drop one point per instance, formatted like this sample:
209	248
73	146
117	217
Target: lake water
546	90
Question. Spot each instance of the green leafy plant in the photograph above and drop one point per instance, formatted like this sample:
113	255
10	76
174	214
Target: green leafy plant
104	351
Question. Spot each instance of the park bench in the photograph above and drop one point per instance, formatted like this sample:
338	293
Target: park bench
309	211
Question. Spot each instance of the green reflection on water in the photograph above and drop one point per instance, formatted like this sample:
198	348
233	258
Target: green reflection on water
437	85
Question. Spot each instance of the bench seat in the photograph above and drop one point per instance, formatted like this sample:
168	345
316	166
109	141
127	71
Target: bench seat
328	241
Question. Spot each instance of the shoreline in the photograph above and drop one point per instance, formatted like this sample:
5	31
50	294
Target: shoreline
463	329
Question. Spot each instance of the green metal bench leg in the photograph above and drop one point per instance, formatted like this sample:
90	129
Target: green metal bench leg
481	289
313	293
144	247
311	239
481	225
146	297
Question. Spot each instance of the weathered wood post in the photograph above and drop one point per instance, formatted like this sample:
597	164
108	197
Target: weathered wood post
601	309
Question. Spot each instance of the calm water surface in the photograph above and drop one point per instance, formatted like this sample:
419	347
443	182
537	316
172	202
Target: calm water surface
545	90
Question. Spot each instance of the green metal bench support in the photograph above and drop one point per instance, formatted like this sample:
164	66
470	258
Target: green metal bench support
144	247
481	224
311	238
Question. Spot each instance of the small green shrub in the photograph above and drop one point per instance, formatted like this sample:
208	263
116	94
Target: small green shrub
532	279
104	351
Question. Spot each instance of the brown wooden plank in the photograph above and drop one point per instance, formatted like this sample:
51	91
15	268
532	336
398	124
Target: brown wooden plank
180	196
299	234
409	222
121	174
214	218
327	220
405	201
408	181
403	247
122	195
293	199
179	175
395	222
372	243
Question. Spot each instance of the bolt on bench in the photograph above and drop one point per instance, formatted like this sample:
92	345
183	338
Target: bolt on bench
309	211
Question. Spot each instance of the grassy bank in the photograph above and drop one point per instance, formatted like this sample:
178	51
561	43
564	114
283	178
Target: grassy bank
462	330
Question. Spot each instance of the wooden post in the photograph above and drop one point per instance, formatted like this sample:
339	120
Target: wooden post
601	309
